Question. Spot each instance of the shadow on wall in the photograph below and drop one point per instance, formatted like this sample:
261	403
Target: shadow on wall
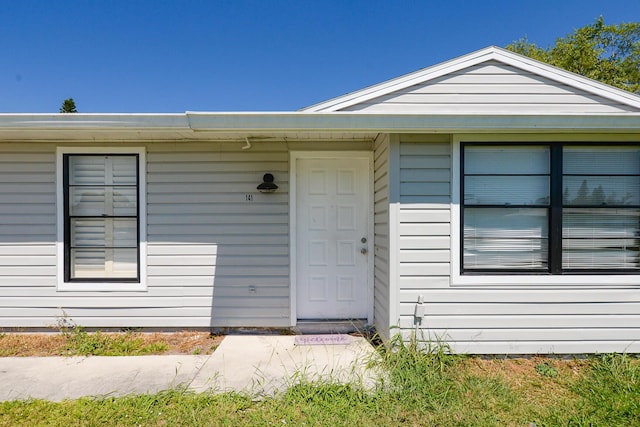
251	263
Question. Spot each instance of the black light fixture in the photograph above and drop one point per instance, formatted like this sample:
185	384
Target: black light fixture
267	186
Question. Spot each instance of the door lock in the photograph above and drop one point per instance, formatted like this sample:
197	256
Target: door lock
363	240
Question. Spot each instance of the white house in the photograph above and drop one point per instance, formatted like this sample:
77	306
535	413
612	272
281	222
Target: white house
496	197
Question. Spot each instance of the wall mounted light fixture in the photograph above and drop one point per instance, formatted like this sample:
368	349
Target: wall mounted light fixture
267	186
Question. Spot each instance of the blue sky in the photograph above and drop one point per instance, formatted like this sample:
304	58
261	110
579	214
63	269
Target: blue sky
251	55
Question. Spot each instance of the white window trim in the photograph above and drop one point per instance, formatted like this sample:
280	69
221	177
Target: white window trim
142	221
506	280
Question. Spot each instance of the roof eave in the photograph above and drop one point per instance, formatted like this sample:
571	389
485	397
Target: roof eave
394	123
99	121
203	125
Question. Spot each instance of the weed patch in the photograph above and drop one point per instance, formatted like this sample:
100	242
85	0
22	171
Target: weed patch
546	370
78	342
82	343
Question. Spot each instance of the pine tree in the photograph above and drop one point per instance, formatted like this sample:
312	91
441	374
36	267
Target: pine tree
68	106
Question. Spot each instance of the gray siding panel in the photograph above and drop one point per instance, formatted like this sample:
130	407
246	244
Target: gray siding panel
423	221
491	87
218	250
537	318
27	232
204	234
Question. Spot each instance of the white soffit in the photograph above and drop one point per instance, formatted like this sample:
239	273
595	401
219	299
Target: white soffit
481	56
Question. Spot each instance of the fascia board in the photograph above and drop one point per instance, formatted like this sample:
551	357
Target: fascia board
358	122
488	54
114	121
266	122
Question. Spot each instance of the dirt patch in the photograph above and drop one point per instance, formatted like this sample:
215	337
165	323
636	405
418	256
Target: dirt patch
57	344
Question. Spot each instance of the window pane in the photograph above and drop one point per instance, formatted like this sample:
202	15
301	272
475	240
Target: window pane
505	238
594	254
101	170
123	170
504	190
494	254
101	232
101	217
600	223
601	190
601	160
104	263
495	160
100	201
600	238
87	170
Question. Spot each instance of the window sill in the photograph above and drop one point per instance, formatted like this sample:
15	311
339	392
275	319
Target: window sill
542	280
101	287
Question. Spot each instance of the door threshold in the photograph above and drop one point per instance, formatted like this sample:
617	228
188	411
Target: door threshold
318	326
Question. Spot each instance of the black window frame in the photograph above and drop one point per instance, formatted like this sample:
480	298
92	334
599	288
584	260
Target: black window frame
67	220
555	209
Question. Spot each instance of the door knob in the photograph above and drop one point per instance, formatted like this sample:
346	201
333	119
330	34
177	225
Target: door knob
363	251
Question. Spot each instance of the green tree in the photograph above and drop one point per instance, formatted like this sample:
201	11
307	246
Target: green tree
68	106
608	53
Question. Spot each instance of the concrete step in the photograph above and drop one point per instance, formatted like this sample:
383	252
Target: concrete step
330	326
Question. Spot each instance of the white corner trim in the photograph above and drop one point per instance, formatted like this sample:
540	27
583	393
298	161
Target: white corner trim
293	224
394	231
455	210
506	280
142	219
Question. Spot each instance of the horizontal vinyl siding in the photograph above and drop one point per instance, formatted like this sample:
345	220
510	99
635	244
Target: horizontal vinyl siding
381	238
205	238
208	246
27	233
537	318
491	87
423	221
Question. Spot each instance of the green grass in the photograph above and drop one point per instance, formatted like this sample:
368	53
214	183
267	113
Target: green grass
82	343
608	395
427	387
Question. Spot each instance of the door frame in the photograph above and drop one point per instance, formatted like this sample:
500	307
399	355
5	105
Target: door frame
293	210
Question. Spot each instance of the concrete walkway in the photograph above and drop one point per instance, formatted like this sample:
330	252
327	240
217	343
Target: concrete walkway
258	365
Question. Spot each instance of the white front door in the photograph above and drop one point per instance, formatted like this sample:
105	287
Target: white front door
332	238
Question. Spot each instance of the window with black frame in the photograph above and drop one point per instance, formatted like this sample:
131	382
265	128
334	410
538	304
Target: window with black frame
550	208
101	217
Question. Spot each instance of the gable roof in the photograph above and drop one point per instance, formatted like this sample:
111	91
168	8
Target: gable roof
572	104
381	92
